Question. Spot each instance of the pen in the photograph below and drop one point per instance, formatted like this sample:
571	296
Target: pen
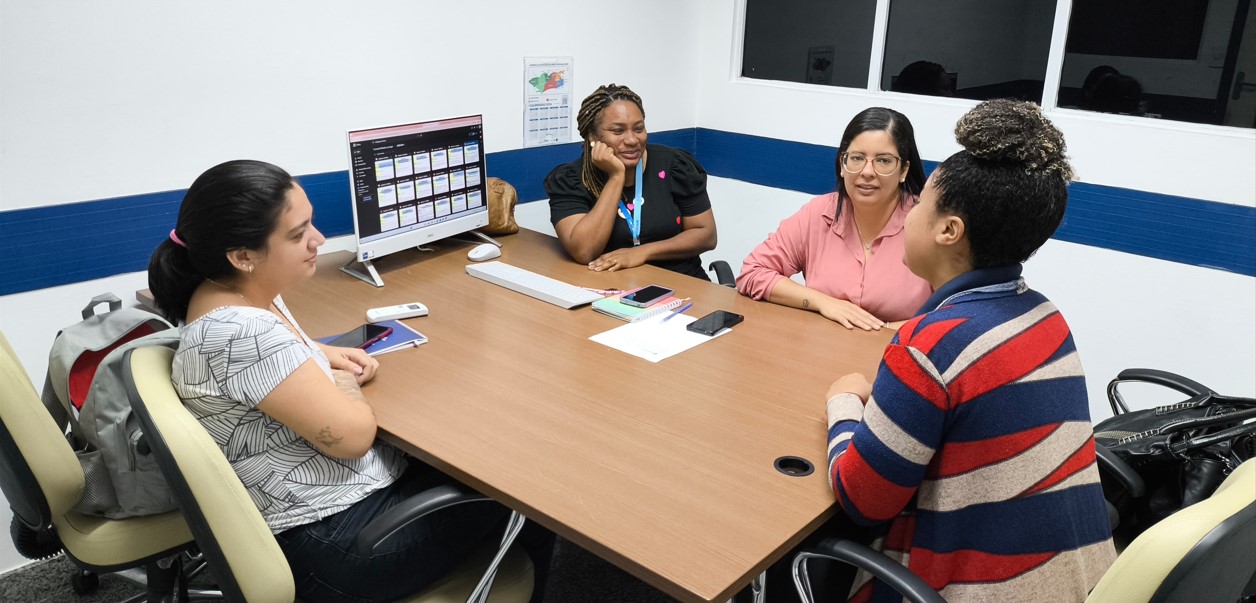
678	311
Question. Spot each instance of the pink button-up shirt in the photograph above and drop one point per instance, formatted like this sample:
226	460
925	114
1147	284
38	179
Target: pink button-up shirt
828	253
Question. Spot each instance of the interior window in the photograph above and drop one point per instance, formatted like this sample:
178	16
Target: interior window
1186	60
809	41
975	49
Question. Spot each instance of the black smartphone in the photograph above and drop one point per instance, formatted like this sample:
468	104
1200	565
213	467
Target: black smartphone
714	322
361	337
646	296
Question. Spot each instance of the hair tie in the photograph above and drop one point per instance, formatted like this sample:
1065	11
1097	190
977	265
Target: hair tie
177	241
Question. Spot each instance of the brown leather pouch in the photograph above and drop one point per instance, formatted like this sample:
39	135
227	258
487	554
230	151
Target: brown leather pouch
501	208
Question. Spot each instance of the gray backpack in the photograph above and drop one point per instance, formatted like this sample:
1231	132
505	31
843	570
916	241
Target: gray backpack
84	388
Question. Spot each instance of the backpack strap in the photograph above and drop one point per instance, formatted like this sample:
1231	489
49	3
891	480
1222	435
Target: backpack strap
54	405
114	304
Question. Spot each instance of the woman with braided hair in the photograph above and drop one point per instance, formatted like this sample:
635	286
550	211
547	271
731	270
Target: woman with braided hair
625	203
972	452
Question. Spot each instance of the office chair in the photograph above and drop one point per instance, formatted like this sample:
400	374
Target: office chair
1205	552
723	273
42	493
234	538
1124	477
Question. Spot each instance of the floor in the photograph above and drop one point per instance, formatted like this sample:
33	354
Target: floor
577	576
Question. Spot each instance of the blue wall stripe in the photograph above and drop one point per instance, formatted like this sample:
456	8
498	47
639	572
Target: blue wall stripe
798	166
771	162
526	169
1178	229
60	244
1188	231
68	243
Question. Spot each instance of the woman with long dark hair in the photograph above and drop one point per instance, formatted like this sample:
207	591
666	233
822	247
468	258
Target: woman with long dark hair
848	244
287	411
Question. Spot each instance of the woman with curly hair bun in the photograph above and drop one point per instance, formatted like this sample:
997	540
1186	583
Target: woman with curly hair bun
972	451
623	203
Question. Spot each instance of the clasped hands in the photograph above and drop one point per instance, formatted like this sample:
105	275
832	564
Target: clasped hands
853	383
353	361
619	259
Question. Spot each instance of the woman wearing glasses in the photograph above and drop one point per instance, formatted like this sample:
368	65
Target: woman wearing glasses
848	244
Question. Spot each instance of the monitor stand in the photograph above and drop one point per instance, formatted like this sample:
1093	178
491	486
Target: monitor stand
364	270
470	237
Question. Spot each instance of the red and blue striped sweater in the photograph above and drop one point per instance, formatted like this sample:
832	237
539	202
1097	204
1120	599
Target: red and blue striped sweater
976	450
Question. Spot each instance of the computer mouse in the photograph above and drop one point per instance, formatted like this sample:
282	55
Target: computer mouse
484	251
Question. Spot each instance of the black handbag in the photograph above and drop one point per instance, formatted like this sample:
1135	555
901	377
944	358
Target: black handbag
1176	454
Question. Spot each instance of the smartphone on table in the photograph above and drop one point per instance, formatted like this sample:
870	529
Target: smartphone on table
361	337
714	322
646	296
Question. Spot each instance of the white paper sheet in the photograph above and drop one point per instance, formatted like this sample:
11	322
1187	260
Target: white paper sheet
656	338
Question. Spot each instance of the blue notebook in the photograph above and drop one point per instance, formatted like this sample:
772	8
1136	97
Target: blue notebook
402	337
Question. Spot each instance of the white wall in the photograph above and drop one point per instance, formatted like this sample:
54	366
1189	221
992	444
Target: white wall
107	98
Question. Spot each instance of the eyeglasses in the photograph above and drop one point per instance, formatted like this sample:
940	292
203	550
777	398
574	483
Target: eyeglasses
883	165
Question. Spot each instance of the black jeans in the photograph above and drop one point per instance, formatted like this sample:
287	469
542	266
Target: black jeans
326	568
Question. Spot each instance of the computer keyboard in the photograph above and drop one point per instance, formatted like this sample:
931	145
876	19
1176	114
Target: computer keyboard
532	284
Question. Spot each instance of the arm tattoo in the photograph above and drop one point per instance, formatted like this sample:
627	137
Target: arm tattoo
806	303
326	438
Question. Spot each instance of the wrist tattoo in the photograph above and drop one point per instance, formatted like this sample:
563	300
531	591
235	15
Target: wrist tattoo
806	303
326	438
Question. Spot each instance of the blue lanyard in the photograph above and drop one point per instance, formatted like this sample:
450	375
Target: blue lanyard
634	219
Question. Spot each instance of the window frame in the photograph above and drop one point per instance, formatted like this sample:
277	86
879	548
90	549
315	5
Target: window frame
1051	77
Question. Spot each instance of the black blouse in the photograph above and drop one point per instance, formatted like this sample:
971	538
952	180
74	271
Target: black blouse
675	186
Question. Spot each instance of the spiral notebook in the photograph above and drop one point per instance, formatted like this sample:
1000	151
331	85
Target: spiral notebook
402	336
611	306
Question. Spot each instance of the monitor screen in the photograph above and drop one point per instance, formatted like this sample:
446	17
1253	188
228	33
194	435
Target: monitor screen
415	183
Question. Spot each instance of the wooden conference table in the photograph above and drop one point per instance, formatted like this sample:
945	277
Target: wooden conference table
665	470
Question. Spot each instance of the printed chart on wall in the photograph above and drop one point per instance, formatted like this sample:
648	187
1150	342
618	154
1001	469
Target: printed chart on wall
546	101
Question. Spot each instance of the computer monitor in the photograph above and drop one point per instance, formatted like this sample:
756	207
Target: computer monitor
413	184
